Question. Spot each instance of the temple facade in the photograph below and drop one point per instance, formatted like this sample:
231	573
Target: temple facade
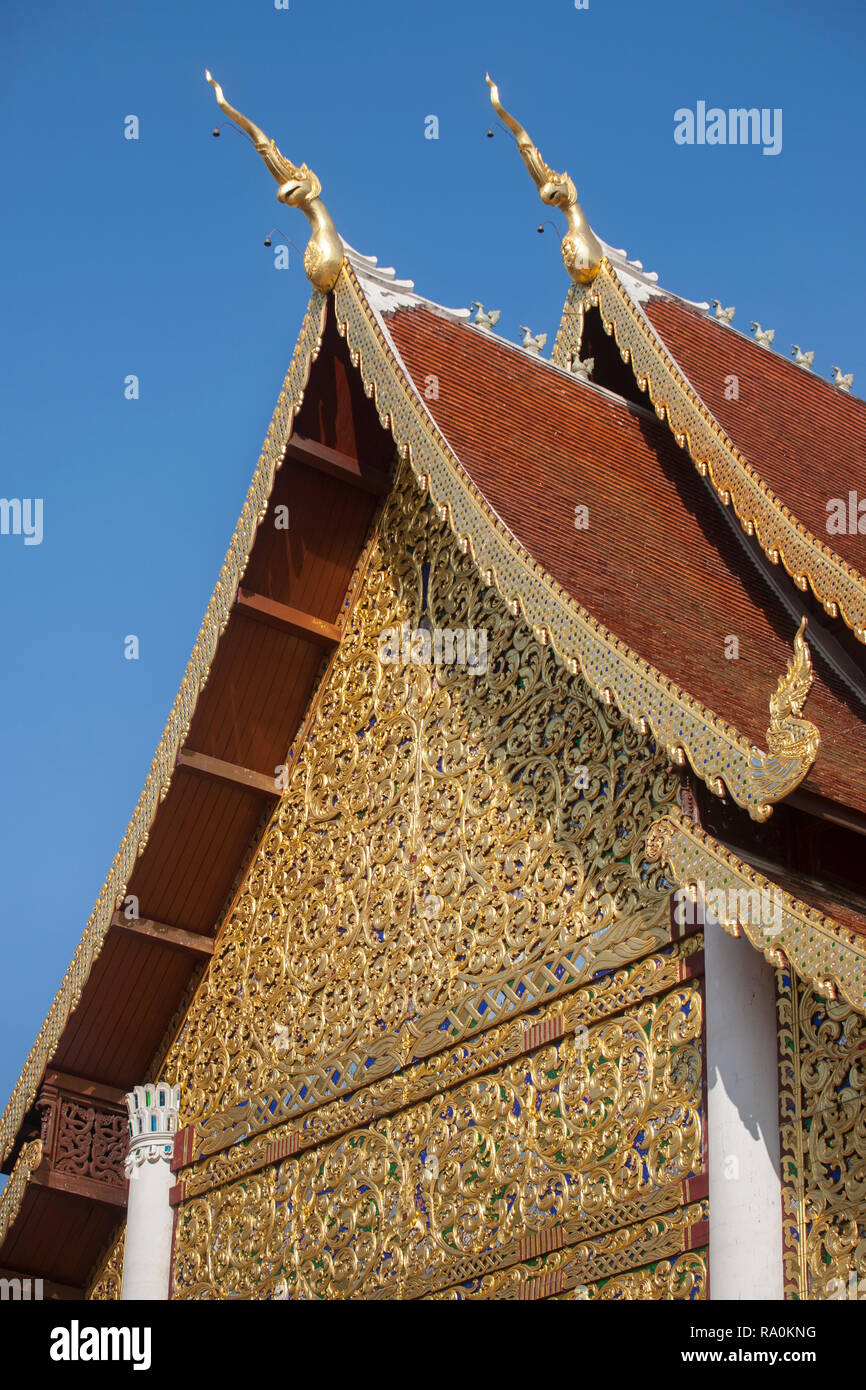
492	923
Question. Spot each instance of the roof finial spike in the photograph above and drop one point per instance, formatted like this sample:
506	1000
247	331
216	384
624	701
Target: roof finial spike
299	188
582	252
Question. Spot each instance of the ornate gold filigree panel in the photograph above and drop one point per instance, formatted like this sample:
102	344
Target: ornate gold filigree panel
458	843
682	1279
822	1049
449	837
106	1280
612	993
579	1270
574	1141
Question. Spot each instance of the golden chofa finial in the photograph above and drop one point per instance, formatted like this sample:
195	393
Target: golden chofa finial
582	251
299	188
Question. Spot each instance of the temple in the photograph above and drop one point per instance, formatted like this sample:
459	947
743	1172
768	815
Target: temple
492	922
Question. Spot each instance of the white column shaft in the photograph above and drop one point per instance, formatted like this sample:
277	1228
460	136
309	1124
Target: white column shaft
147	1255
743	1121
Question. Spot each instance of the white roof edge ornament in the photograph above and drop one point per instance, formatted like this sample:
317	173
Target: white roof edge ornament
387	294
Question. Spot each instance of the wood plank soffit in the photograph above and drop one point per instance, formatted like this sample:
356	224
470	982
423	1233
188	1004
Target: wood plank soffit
337	465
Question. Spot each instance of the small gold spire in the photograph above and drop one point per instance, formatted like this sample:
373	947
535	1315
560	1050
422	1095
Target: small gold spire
299	188
582	252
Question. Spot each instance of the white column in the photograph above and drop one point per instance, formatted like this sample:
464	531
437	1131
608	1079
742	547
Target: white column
153	1110
743	1121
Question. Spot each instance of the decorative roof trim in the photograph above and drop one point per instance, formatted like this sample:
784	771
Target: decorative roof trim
26	1164
809	562
827	955
720	755
177	725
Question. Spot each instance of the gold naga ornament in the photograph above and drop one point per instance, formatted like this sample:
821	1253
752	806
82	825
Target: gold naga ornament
582	252
299	188
790	738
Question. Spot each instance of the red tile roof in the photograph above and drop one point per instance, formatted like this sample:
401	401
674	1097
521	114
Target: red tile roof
659	564
805	438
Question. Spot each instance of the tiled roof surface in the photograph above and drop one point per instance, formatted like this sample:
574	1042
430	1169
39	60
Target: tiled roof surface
805	438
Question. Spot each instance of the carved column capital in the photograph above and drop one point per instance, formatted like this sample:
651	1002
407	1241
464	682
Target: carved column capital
153	1110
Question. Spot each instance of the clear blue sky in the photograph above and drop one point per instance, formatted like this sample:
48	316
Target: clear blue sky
146	257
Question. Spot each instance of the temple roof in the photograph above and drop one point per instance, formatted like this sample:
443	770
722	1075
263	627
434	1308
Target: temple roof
642	602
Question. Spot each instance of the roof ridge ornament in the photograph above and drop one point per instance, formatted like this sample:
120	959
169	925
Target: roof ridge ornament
299	188
792	742
582	252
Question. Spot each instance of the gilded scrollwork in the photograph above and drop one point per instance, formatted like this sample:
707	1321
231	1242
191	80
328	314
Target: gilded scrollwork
602	1120
106	1281
822	1051
449	837
612	993
577	1268
444	830
682	1279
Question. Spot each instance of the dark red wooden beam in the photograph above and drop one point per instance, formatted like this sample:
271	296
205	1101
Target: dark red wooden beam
109	1194
230	773
164	934
338	465
81	1086
286	619
827	810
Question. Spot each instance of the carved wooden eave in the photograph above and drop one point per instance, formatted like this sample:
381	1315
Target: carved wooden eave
29	1159
823	952
177	726
784	539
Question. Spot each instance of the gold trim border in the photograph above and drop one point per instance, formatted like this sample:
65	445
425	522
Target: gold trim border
177	725
719	754
588	1262
836	584
26	1163
824	953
